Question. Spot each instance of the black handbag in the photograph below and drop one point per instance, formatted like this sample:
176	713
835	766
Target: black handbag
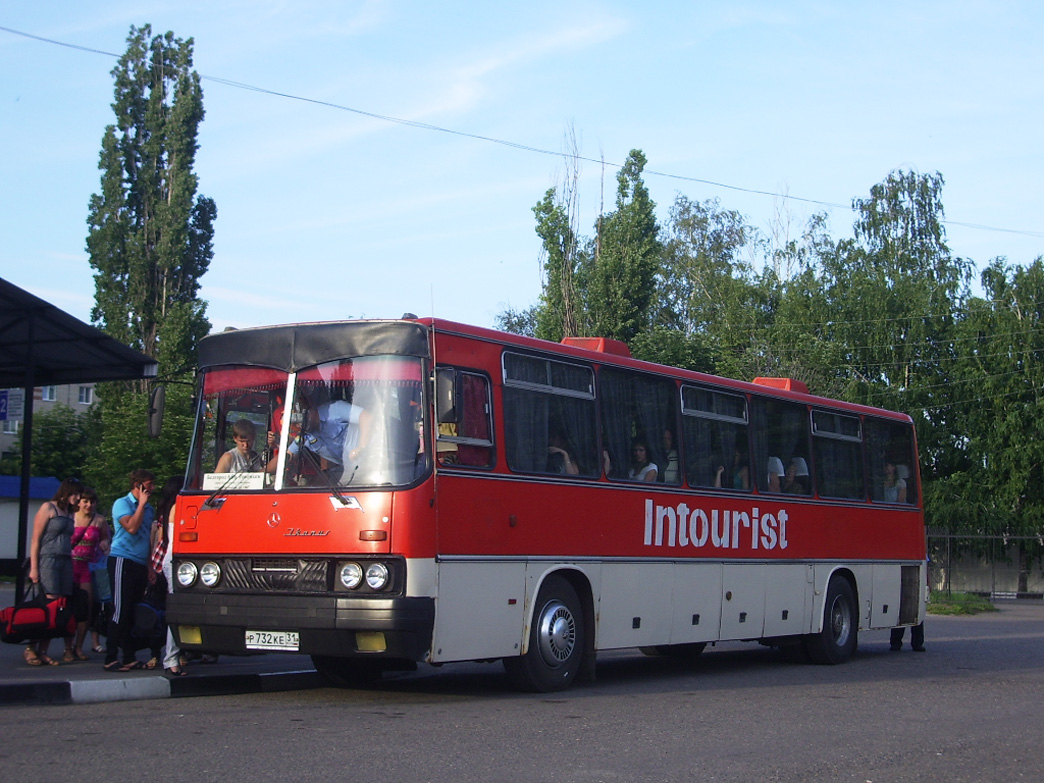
37	617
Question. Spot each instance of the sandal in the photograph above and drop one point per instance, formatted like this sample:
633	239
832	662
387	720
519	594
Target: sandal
68	657
129	667
176	671
98	648
81	655
47	660
152	664
112	666
31	658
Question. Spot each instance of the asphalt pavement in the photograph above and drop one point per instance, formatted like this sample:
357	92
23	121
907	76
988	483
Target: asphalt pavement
86	681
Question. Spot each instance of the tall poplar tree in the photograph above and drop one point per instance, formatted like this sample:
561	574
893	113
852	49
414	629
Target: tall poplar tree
150	241
621	277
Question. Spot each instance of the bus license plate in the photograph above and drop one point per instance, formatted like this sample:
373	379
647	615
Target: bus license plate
273	640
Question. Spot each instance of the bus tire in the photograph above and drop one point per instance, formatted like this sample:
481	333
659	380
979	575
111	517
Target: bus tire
348	672
556	641
840	635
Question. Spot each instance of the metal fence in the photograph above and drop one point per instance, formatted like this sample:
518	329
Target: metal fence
994	566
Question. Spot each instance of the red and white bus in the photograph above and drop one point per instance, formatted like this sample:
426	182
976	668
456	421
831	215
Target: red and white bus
435	492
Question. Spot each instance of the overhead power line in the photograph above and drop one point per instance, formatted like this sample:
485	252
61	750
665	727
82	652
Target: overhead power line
506	143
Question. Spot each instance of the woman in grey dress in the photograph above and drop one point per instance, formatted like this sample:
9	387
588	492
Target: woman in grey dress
50	558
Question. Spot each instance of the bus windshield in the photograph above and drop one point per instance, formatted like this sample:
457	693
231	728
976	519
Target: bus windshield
355	422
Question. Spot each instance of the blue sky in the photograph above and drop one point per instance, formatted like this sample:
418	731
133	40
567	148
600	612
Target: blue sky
325	213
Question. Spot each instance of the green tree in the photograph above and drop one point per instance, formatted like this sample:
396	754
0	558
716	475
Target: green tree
522	322
150	241
996	390
620	276
62	443
560	308
706	289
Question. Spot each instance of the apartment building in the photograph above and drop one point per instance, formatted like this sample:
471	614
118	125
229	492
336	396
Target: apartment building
78	396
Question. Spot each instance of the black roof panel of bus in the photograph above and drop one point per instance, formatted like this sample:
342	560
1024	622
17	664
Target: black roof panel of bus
294	346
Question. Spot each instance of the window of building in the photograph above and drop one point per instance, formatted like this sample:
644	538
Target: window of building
11	426
86	395
49	393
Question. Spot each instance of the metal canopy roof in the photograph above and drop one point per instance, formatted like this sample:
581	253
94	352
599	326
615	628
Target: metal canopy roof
57	347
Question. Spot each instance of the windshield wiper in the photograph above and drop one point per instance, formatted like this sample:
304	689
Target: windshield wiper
330	485
210	502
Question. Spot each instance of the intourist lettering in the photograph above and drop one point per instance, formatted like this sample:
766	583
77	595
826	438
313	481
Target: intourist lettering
681	526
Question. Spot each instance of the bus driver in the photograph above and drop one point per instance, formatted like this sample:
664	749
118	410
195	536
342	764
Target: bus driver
335	432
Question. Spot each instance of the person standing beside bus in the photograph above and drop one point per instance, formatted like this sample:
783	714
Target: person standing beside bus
165	532
50	559
90	536
129	567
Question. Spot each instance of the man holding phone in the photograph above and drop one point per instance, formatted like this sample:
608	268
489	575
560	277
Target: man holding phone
128	568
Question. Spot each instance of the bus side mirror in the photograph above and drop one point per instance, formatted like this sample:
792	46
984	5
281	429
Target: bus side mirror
157	401
449	396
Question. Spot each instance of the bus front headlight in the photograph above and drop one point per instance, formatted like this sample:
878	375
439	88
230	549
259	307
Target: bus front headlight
210	574
377	576
187	573
351	575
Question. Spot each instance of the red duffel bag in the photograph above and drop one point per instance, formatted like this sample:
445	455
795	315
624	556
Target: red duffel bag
37	617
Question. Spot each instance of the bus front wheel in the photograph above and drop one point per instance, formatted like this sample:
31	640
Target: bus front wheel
840	635
556	641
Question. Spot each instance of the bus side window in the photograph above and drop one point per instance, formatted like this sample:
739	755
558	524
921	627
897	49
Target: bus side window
890	448
639	410
549	413
469	441
780	446
714	434
838	454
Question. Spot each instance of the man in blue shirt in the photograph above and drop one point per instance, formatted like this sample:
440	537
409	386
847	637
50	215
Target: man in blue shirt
335	432
132	518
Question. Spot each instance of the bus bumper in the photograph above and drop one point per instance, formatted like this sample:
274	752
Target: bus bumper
399	628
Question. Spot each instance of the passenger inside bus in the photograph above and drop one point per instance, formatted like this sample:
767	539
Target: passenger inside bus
242	458
740	477
559	457
334	434
894	484
796	480
670	471
775	474
642	469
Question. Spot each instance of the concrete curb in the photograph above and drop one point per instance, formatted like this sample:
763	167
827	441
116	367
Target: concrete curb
157	687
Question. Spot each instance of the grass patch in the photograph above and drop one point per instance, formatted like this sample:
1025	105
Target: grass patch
959	603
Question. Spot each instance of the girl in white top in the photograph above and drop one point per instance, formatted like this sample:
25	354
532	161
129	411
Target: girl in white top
641	468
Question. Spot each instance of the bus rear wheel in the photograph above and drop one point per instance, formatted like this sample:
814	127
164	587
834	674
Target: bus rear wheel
840	635
556	641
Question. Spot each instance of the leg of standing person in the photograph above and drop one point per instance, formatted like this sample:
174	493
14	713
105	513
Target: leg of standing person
896	639
917	637
172	661
86	598
128	580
